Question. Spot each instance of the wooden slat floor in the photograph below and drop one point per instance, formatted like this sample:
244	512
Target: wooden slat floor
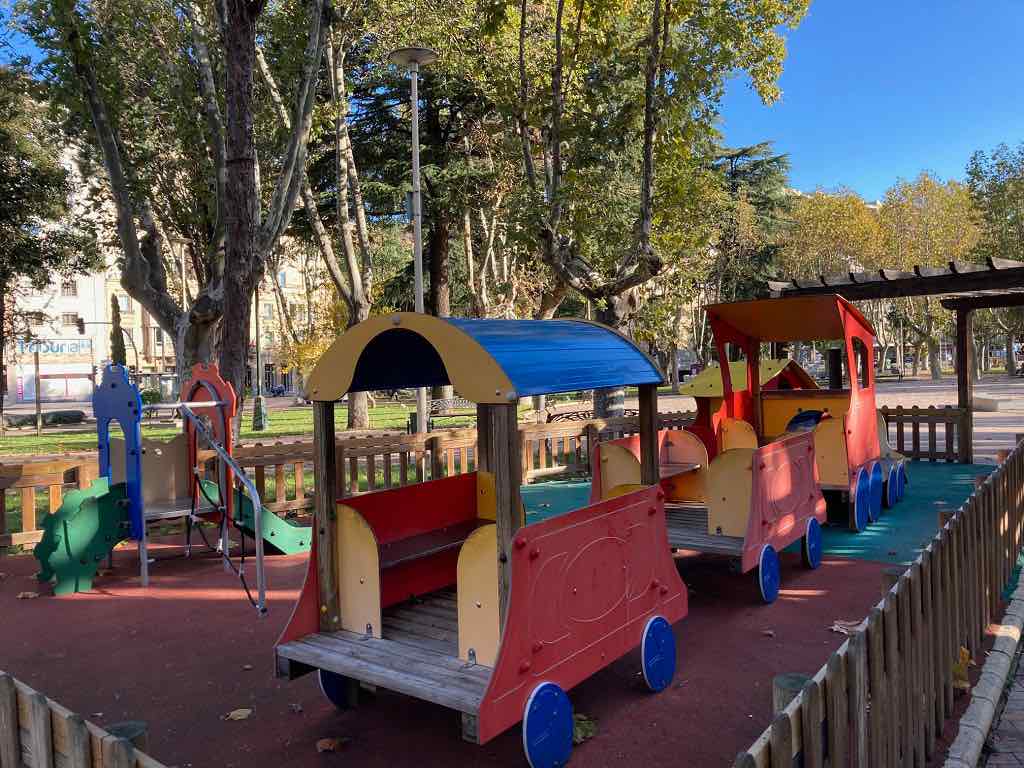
417	655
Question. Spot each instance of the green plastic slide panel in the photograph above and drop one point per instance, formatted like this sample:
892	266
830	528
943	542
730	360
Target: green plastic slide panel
79	536
281	536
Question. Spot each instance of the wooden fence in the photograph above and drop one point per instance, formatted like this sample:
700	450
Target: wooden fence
282	471
883	698
36	732
954	424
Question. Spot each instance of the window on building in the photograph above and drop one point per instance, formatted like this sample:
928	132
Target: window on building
269	374
69	318
158	337
282	279
124	302
267	311
69	288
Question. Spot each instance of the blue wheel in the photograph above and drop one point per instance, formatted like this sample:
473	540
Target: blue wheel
862	501
812	544
877	479
335	687
904	479
658	654
547	727
768	574
892	487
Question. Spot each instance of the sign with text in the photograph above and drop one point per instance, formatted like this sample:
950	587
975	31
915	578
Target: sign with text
56	347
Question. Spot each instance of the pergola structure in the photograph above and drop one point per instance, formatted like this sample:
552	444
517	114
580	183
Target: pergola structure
966	287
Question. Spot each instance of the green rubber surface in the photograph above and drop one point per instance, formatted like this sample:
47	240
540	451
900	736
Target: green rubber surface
280	536
897	537
901	532
78	537
554	498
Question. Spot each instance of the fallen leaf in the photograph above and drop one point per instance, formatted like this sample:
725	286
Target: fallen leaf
296	709
2	575
768	632
583	728
27	595
843	627
961	680
238	714
96	714
104	572
333	744
247	667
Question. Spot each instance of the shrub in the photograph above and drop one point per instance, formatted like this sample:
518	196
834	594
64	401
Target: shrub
151	396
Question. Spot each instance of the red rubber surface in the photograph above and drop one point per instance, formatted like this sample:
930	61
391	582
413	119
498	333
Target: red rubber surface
173	655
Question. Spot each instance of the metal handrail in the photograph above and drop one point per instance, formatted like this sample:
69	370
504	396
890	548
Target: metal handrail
250	488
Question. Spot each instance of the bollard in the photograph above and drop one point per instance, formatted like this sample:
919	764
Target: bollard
785	688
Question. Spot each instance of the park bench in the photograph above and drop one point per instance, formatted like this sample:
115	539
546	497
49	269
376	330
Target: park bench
444	408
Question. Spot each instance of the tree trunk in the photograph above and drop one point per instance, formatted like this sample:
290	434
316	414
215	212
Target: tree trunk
242	214
612	401
916	367
673	368
1011	358
358	402
438	242
934	364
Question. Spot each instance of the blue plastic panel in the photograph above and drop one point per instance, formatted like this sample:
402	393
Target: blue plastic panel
117	399
541	357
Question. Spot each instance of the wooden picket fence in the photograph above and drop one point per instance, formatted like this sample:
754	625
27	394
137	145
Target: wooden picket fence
27	480
882	698
36	732
923	424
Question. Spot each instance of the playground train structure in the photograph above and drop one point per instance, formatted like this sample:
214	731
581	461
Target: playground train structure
444	590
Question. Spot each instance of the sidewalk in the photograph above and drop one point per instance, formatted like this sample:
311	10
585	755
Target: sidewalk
1007	741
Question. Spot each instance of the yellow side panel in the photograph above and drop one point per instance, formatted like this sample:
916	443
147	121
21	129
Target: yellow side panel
477	596
777	411
729	485
622	490
682	447
885	450
618	467
358	573
735	433
830	452
165	469
486	496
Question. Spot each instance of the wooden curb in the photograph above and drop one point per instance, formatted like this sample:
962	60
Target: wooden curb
977	720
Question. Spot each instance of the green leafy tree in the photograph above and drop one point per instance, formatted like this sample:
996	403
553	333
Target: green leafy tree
38	237
996	183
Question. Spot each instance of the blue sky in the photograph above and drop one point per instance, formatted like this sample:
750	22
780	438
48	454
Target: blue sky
876	91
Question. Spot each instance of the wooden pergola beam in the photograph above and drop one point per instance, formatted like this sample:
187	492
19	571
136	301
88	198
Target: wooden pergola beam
955	277
984	301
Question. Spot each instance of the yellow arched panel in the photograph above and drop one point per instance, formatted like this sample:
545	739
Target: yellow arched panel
885	450
471	370
486	496
358	573
830	452
729	487
477	596
618	467
621	490
681	447
736	433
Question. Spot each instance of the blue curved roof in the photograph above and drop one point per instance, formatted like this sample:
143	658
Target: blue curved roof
542	357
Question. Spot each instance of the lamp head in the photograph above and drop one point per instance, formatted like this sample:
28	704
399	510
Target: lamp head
406	57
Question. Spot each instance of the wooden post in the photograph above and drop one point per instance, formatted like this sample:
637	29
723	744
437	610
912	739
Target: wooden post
837	709
649	471
325	512
10	734
498	451
965	381
785	688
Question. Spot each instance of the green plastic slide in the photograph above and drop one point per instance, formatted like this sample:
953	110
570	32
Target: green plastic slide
281	536
80	535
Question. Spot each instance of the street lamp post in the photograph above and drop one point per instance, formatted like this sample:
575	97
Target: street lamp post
412	59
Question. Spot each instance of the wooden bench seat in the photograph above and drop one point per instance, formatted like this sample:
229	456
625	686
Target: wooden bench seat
426	544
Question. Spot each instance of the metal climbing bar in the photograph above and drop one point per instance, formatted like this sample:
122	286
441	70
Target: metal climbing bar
247	484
